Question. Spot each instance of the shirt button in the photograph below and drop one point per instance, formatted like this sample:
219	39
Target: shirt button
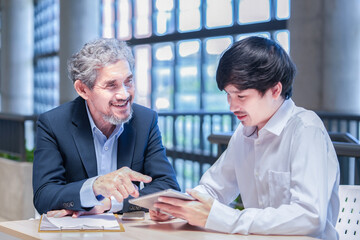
106	148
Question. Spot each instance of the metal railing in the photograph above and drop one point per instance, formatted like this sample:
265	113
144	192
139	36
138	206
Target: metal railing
348	151
341	123
185	138
15	130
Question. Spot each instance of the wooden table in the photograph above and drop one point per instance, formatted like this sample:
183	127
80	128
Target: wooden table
142	230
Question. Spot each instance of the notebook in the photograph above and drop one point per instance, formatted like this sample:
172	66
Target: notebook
98	222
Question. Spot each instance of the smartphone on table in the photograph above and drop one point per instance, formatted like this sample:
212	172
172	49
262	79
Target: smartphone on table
137	215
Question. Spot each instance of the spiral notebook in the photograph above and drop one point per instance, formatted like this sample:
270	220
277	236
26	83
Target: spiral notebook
100	222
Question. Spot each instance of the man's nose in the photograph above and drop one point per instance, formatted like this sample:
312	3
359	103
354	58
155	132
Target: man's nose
122	93
232	104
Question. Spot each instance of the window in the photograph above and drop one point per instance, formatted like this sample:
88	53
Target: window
177	44
188	69
46	61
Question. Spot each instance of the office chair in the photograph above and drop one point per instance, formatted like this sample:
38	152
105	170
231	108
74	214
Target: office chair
348	223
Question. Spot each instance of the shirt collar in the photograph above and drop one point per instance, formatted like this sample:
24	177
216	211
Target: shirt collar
279	120
117	131
276	123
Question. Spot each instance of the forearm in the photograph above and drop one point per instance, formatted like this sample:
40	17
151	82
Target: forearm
51	196
287	220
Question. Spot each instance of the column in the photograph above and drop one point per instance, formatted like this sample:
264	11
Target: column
305	26
79	23
325	46
17	38
341	56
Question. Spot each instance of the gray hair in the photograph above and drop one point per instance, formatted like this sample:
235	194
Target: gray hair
84	65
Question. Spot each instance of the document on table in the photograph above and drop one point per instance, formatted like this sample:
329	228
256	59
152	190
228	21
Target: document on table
98	222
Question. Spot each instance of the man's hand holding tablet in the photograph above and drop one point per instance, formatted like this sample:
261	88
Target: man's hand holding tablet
194	208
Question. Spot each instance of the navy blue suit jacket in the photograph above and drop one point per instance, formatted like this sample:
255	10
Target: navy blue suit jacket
65	155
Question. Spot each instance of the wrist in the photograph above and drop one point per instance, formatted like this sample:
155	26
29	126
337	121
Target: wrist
106	204
96	187
109	204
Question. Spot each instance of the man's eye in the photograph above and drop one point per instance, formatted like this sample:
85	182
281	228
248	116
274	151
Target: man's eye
241	97
129	82
111	85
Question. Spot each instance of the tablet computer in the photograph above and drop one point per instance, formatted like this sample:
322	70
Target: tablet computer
147	201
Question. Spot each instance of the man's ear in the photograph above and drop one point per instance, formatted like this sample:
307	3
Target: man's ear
81	89
276	90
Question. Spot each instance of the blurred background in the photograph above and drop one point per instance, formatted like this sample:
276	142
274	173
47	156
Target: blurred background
177	45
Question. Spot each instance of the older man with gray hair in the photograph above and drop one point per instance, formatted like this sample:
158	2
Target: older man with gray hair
92	153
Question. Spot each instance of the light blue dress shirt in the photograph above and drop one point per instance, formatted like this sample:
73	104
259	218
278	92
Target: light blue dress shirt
106	158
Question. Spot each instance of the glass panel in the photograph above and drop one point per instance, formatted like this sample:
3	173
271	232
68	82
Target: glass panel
164	17
142	18
283	38
46	84
216	46
124	19
259	34
283	9
163	76
189	15
214	100
219	14
46	69
188	75
142	54
108	19
251	11
46	28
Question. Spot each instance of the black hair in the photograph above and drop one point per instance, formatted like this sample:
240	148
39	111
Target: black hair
256	63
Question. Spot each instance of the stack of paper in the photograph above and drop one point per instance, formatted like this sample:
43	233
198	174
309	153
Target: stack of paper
99	222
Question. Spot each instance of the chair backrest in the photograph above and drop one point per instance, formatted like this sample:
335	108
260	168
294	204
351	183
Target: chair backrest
348	224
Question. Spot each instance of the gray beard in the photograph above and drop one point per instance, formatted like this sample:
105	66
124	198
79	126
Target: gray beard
117	121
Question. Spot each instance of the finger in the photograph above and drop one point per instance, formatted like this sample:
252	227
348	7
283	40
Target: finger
158	216
136	193
173	210
122	190
116	194
164	207
63	213
198	195
153	213
136	176
77	214
52	213
130	189
59	213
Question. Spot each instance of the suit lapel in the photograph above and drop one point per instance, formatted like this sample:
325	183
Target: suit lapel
83	138
126	145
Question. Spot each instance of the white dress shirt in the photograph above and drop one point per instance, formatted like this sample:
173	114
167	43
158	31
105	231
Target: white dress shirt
106	158
287	175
